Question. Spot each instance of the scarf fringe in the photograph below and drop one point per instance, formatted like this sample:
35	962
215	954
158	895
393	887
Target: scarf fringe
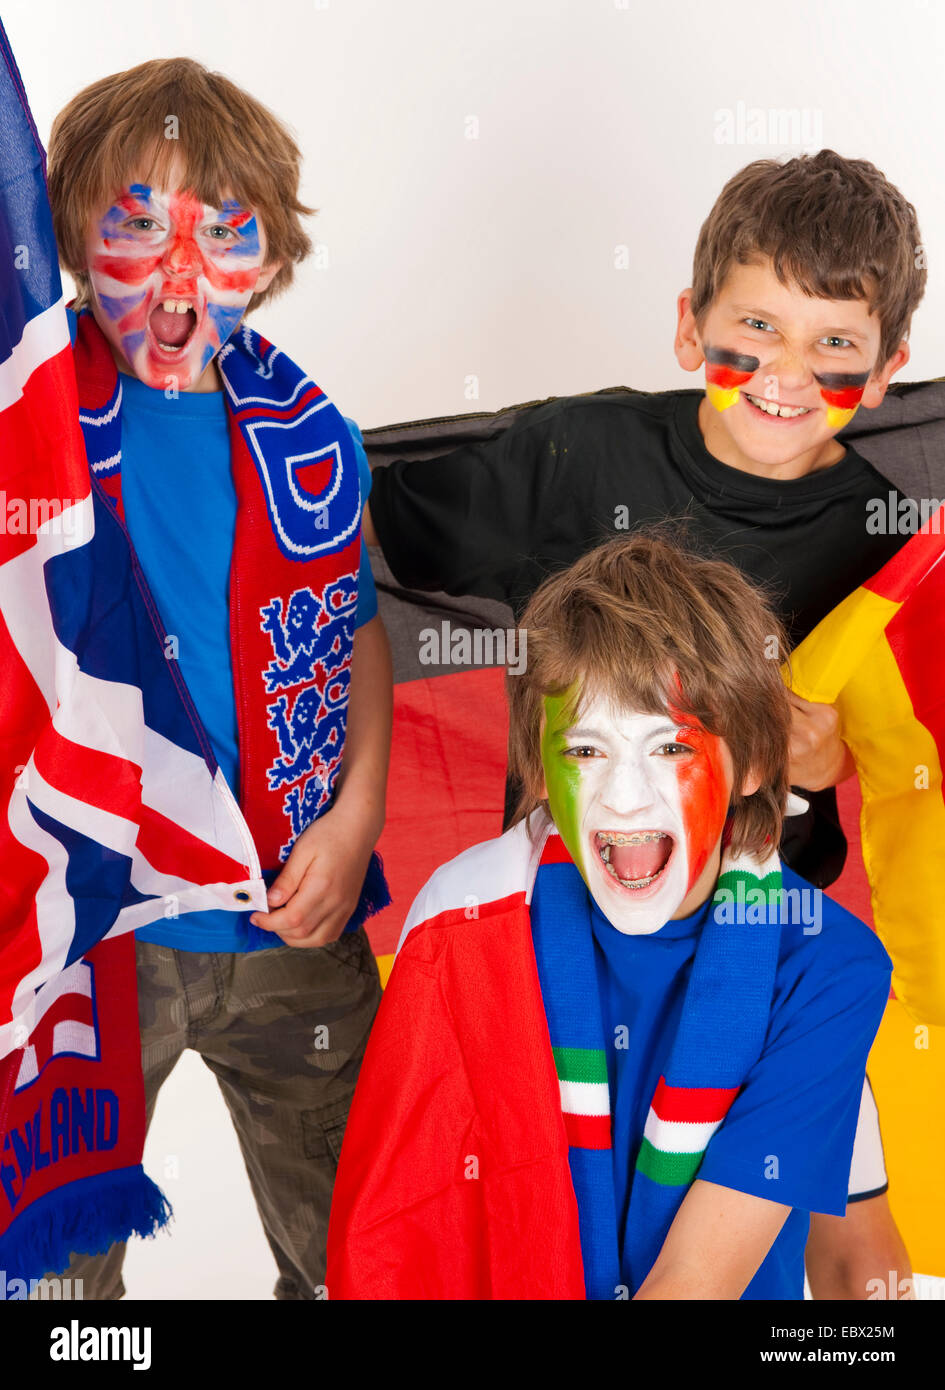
84	1217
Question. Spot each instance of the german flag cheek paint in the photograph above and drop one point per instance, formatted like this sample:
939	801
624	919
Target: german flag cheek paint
843	392
725	372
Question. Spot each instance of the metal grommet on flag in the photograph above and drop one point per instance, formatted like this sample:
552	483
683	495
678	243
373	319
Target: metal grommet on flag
241	895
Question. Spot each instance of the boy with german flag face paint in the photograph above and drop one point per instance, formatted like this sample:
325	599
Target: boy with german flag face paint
606	1015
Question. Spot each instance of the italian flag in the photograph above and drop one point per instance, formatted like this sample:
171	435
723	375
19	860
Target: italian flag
585	1095
680	1123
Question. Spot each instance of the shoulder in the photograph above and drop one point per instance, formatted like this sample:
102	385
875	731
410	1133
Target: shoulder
487	880
618	408
823	946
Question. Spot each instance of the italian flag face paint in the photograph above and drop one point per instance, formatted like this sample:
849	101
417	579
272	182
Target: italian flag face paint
725	372
842	392
640	802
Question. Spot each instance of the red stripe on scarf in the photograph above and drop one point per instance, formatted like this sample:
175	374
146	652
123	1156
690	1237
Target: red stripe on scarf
587	1131
693	1105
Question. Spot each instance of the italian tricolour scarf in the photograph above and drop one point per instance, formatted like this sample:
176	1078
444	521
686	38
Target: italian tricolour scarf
489	1045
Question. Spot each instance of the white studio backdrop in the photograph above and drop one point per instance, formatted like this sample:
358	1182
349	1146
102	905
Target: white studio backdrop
509	194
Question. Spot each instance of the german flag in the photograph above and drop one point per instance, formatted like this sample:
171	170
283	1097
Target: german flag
879	657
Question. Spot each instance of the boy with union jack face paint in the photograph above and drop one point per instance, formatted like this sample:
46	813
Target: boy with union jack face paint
240	488
171	278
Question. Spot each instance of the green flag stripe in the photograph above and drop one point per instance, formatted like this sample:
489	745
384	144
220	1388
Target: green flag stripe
672	1170
733	877
580	1063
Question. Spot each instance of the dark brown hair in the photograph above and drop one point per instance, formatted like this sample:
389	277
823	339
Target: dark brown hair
230	145
651	626
835	227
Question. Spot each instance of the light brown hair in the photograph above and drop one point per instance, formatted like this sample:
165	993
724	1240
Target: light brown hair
650	626
835	227
230	145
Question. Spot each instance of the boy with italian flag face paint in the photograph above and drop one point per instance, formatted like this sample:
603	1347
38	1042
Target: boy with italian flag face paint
587	1004
640	801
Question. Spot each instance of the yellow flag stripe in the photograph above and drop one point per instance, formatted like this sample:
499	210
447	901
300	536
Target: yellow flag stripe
828	657
902	826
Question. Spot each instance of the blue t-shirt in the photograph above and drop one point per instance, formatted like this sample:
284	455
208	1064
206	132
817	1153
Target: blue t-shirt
180	509
788	1136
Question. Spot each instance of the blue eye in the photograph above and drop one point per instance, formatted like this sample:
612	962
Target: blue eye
228	232
136	224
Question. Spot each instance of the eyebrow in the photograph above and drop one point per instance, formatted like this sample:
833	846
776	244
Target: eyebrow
666	728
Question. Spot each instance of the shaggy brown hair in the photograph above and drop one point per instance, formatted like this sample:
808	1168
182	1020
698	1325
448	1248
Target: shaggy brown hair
835	227
644	623
230	146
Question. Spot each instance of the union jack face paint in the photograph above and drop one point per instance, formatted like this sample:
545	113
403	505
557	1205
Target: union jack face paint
640	801
171	278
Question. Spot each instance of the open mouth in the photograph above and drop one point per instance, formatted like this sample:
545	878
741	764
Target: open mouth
774	410
635	860
172	324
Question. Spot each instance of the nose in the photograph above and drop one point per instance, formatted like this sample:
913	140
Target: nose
628	789
791	371
182	256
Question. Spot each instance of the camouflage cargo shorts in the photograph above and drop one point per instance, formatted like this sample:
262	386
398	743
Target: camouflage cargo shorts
283	1032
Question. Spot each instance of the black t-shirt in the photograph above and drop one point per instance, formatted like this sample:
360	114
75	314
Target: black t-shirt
495	518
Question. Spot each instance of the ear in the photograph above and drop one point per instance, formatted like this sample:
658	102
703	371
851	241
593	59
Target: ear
267	275
876	386
688	346
751	782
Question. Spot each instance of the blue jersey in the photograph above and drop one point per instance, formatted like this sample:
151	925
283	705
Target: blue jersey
180	510
788	1136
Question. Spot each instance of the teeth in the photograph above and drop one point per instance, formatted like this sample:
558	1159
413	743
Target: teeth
175	306
634	883
639	837
786	412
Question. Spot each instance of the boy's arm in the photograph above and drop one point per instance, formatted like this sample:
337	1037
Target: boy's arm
317	891
473	520
715	1246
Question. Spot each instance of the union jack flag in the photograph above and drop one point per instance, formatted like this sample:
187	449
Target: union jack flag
114	811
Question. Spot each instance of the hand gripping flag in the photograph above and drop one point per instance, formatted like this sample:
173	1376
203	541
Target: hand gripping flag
113	811
879	657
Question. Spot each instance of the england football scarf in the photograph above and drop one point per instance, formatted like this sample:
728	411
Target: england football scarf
720	1035
293	580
